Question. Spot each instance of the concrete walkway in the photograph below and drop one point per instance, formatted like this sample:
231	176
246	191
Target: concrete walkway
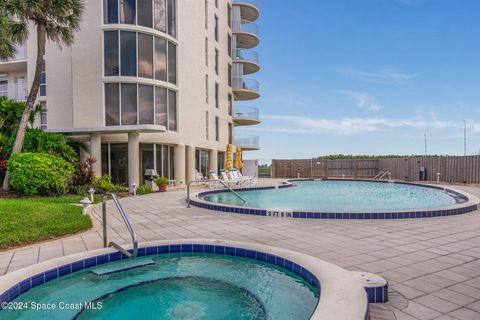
433	265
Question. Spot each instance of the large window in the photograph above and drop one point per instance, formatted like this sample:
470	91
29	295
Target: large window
111	53
157	157
43	80
127	11
159	14
136	104
202	161
145	56
217	129
112	104
157	57
128	53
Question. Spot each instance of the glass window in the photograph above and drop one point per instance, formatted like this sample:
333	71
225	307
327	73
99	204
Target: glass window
128	47
160	15
127	11
119	163
230	75
206	88
216	28
110	11
230	133
230	104
166	161
217	128
229	45
129	104
145	104
146	160
172	63
43	80
111	53
145	13
206	125
161	106
206	14
216	60
160	59
171	18
145	55
217	98
112	104
43	115
206	52
229	15
105	161
172	110
221	161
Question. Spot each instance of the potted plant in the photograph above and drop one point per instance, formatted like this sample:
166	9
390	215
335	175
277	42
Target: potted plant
162	183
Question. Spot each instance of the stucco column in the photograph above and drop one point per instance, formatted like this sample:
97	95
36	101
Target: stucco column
179	164
133	159
190	163
96	153
213	161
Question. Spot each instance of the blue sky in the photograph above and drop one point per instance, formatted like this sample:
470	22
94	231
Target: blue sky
367	77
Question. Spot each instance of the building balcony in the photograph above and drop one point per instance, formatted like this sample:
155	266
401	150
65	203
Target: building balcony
247	142
14	91
245	89
249	9
246	116
249	59
17	63
246	34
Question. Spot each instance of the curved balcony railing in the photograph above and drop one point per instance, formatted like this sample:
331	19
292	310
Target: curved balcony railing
246	27
247	55
246	113
247	142
254	3
246	84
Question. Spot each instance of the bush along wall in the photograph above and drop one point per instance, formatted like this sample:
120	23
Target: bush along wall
39	174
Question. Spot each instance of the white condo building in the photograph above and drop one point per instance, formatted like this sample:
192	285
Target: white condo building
149	84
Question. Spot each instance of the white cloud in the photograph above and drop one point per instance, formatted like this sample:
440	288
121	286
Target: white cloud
386	76
363	100
351	126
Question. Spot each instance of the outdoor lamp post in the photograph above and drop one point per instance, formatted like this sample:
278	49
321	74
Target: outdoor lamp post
438	177
91	192
85	204
134	187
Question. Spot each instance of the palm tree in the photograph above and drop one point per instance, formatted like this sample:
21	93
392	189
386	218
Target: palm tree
55	20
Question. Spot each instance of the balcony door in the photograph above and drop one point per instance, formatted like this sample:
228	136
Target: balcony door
21	89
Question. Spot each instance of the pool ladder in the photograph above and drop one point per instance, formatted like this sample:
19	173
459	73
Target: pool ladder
208	181
382	175
117	203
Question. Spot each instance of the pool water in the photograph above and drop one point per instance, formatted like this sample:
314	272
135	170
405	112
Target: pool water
340	196
176	287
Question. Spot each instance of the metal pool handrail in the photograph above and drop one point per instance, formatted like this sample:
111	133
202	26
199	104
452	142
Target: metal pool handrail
212	180
127	223
378	175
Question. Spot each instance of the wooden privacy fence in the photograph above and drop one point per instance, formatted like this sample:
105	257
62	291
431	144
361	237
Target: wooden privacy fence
452	169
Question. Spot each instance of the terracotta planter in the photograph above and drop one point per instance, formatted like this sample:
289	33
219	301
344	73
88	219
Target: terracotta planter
162	187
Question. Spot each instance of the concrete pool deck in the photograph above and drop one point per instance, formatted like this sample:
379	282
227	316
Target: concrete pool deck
433	264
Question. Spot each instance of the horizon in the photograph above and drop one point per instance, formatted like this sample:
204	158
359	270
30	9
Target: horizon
370	77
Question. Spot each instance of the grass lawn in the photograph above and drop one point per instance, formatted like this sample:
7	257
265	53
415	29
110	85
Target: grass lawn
28	220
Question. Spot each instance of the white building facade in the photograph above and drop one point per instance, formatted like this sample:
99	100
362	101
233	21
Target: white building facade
149	84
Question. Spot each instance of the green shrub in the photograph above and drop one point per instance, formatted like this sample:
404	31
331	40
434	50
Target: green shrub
84	174
144	189
39	174
79	190
161	181
105	184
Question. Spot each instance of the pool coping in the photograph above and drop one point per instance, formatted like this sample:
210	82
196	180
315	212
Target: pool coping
465	203
341	298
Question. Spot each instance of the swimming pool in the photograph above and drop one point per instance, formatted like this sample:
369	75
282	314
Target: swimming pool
177	286
202	279
341	199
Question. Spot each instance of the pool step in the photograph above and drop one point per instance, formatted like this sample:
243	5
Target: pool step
122	265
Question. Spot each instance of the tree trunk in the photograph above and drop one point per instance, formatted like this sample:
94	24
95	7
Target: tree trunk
32	96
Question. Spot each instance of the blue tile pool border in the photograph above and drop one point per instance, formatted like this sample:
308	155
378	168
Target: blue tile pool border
58	272
461	207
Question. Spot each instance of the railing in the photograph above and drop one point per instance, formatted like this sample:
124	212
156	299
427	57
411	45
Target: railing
247	55
20	55
245	84
254	3
127	223
242	112
207	181
244	141
245	26
14	91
